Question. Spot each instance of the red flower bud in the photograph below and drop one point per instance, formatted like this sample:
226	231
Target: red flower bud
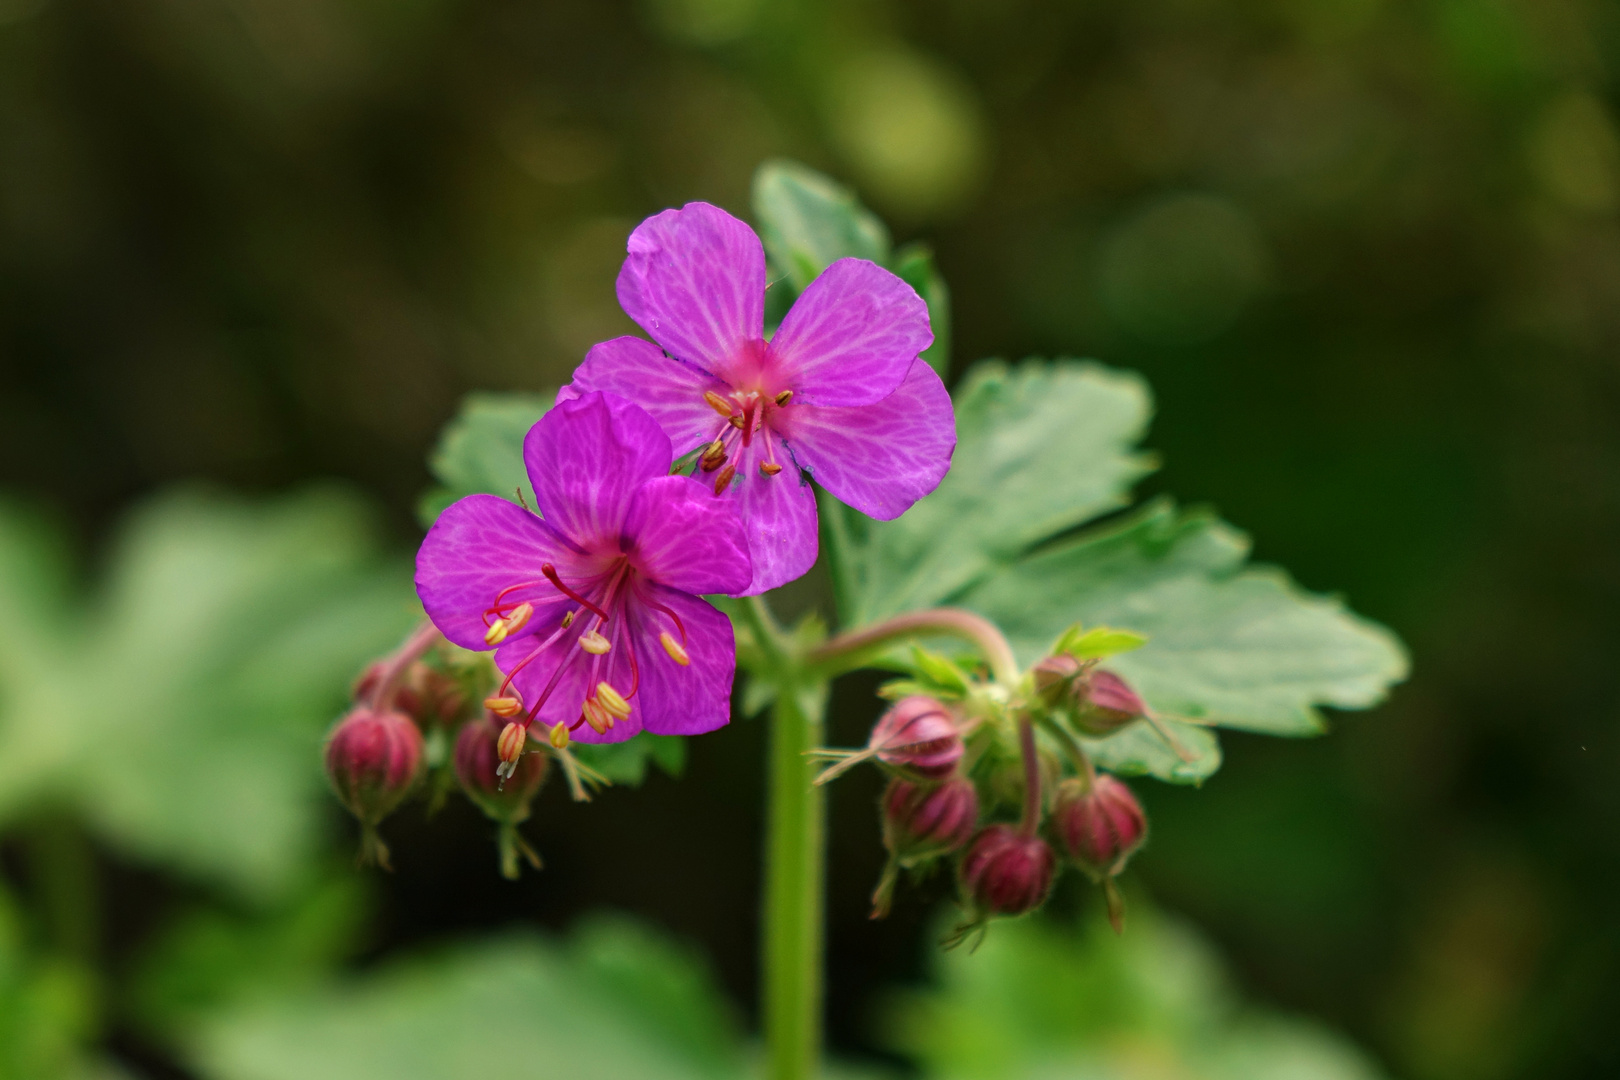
477	760
921	822
918	738
1053	676
372	760
425	694
1105	703
1101	826
1006	872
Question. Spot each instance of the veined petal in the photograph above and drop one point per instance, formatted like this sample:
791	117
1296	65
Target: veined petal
778	514
677	700
695	281
672	391
479	546
851	336
682	535
586	458
879	458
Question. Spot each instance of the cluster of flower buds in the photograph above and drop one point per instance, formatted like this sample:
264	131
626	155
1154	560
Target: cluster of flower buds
417	715
959	770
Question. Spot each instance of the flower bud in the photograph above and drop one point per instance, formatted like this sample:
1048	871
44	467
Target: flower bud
918	738
427	695
1053	676
921	822
373	759
1006	872
478	764
1105	703
1099	827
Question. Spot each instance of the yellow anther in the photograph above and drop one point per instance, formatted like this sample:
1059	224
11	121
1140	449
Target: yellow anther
673	647
514	622
568	620
723	481
510	745
559	736
713	457
503	706
769	468
784	397
594	716
737	422
612	701
717	403
594	643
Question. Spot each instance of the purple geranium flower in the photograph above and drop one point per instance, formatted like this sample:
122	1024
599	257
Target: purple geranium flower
592	603
838	391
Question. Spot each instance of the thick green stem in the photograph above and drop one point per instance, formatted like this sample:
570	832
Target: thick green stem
795	860
795	867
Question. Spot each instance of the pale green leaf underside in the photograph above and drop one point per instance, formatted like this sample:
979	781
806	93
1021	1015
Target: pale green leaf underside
1041	448
1240	647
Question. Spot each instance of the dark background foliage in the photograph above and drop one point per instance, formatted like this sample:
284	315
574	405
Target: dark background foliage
1366	251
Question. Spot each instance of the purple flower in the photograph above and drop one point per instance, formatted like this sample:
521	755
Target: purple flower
837	392
591	604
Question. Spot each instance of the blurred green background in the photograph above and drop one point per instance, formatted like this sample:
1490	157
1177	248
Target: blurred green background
1366	252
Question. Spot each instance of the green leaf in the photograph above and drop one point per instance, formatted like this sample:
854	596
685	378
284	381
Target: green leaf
1040	1000
1041	448
481	450
807	222
1239	647
181	710
1098	642
1171	750
618	1003
626	762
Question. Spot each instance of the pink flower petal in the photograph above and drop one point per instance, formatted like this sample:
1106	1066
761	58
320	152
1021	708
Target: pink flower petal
669	389
676	700
879	458
586	458
695	281
479	546
778	512
851	336
683	535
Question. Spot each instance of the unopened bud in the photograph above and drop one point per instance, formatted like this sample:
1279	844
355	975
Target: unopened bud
1101	826
1053	675
1007	873
426	694
1105	703
479	761
373	760
924	821
917	737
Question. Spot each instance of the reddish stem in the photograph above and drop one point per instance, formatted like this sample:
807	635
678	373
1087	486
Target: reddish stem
422	639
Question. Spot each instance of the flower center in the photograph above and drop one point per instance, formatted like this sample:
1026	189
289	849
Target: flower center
743	414
593	630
